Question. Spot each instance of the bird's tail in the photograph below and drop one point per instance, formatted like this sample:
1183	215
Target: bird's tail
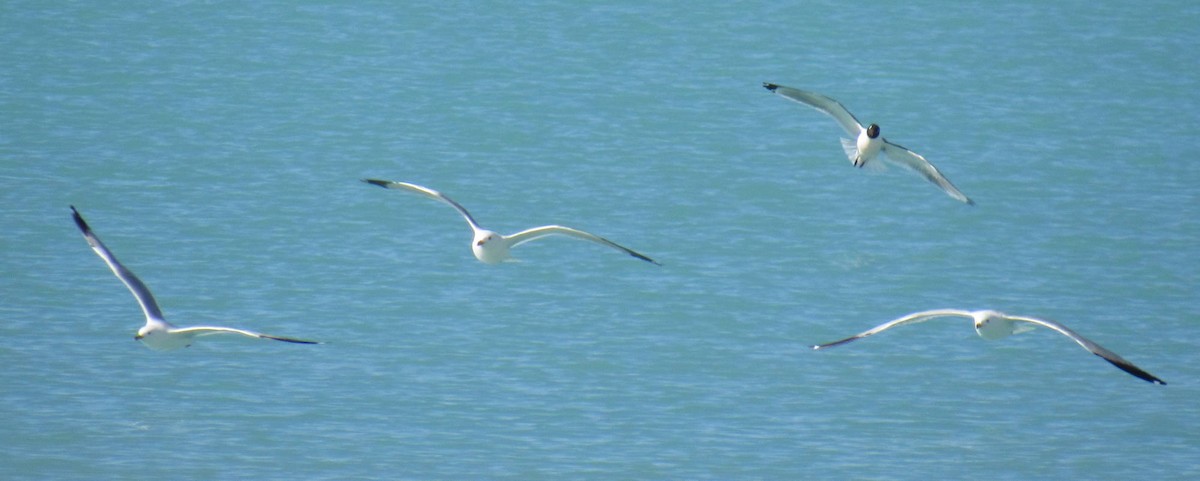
851	149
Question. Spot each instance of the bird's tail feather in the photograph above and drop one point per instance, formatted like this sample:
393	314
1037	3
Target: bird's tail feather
851	148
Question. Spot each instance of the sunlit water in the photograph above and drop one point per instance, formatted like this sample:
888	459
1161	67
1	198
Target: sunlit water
217	147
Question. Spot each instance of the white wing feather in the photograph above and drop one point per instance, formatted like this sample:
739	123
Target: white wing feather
427	192
909	319
539	232
131	281
912	161
197	331
1092	347
824	104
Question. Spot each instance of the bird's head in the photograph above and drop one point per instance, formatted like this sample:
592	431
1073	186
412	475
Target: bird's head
483	237
992	324
873	131
489	247
144	332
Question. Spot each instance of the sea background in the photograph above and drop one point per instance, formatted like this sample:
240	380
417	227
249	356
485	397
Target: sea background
217	148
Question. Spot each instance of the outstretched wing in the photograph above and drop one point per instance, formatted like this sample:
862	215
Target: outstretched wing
539	232
909	319
198	331
1094	348
912	161
427	192
826	105
135	285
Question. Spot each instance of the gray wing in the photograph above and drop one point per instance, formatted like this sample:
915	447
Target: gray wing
912	161
135	285
826	105
1094	348
909	319
208	330
539	232
427	192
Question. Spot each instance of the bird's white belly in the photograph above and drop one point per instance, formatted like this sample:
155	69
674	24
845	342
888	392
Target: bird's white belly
491	253
868	148
995	329
167	342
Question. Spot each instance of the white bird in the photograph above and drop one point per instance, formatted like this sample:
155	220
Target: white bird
491	247
158	334
868	144
995	325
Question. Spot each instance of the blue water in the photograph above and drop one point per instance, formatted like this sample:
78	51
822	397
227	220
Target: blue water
217	146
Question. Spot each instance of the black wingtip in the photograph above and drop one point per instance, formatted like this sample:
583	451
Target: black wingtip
770	86
293	341
836	343
381	183
647	259
83	225
1135	371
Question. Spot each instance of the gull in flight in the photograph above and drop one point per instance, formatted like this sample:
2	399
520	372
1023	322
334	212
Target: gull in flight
995	325
492	248
158	334
868	144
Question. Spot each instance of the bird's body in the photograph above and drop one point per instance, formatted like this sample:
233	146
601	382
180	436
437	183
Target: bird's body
993	325
157	333
865	147
866	144
493	248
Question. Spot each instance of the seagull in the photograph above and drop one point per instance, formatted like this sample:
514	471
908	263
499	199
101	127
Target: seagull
158	334
492	248
995	325
868	143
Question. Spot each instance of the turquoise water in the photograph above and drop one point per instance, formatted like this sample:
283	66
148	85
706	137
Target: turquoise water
217	146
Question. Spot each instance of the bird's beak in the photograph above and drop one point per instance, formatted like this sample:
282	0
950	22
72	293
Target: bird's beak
480	242
137	337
